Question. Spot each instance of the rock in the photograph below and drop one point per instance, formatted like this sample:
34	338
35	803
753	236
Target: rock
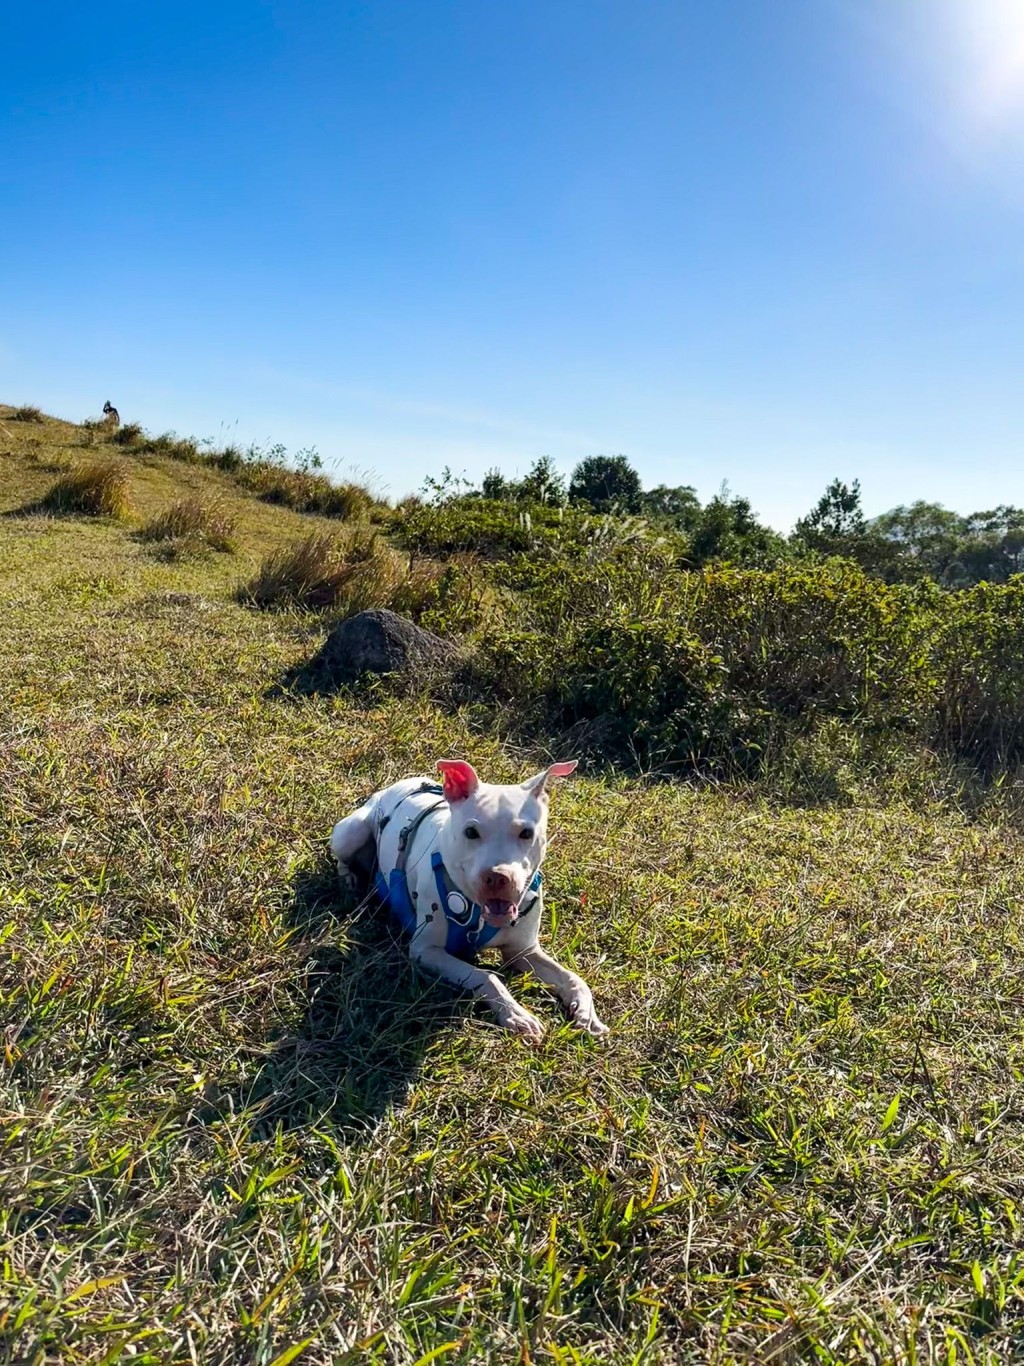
382	642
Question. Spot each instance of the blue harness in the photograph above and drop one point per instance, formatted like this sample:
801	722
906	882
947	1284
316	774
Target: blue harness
468	931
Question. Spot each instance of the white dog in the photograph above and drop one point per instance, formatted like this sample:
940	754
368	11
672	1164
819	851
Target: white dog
459	865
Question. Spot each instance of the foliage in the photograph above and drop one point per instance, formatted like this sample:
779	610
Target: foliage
26	413
98	488
606	483
677	507
979	667
954	550
542	485
726	529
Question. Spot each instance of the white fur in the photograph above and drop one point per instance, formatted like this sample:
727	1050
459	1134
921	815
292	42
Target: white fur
501	815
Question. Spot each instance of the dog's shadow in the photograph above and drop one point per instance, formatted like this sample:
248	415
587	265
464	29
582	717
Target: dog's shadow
368	1018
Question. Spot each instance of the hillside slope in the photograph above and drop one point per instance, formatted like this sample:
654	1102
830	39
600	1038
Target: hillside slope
239	1128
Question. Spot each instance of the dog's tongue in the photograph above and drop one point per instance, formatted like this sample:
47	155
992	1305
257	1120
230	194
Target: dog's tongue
500	912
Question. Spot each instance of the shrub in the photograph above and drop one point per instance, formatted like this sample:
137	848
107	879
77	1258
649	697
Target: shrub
191	525
712	668
978	661
27	413
97	488
828	640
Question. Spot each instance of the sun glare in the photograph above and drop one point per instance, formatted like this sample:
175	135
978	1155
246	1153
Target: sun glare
989	37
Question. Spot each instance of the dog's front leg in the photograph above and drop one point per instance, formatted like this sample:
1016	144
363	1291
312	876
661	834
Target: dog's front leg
510	1014
570	988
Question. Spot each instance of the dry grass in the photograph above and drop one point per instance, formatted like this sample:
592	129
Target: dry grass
26	413
129	434
305	491
98	488
191	525
325	571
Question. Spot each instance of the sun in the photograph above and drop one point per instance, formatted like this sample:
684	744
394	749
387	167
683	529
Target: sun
989	40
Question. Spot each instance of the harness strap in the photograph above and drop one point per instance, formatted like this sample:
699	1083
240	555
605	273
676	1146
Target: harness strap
405	838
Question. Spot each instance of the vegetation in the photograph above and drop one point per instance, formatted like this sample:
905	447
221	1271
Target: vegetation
97	488
240	1127
26	413
191	525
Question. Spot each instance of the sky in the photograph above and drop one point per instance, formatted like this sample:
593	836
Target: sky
760	242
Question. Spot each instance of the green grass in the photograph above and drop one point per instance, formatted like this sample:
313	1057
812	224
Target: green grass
238	1125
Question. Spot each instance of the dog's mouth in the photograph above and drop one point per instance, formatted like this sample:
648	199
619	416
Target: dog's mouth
499	912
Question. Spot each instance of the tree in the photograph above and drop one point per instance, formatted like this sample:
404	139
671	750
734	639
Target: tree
543	484
495	486
607	482
679	506
928	539
727	529
836	516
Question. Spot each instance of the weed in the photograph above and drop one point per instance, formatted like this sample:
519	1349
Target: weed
26	413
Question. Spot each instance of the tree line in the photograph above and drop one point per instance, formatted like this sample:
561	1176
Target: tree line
921	541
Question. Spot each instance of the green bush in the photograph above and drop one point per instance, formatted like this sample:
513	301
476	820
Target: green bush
978	662
721	667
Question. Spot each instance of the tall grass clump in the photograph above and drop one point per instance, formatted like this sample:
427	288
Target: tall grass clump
27	413
95	488
327	572
311	573
130	435
304	490
190	526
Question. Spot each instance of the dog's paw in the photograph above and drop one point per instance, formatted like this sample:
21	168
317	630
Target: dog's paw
585	1017
518	1020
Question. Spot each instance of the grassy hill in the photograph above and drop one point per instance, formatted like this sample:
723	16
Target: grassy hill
238	1127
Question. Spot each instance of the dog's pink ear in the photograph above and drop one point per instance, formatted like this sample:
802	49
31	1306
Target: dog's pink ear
459	778
538	782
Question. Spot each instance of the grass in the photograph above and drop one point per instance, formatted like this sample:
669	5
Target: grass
346	574
26	413
238	1126
191	525
98	488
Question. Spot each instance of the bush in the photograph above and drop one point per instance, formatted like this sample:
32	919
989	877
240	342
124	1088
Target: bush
711	668
978	661
27	413
97	488
190	525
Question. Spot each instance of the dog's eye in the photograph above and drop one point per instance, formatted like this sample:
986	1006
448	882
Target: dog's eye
526	833
472	833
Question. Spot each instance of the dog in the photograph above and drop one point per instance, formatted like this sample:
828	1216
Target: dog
459	866
112	415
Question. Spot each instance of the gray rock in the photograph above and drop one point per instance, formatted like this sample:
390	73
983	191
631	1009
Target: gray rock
382	642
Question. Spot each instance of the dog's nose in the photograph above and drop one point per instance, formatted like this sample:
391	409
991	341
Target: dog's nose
497	883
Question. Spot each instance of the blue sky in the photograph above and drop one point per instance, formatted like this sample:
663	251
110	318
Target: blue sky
761	242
